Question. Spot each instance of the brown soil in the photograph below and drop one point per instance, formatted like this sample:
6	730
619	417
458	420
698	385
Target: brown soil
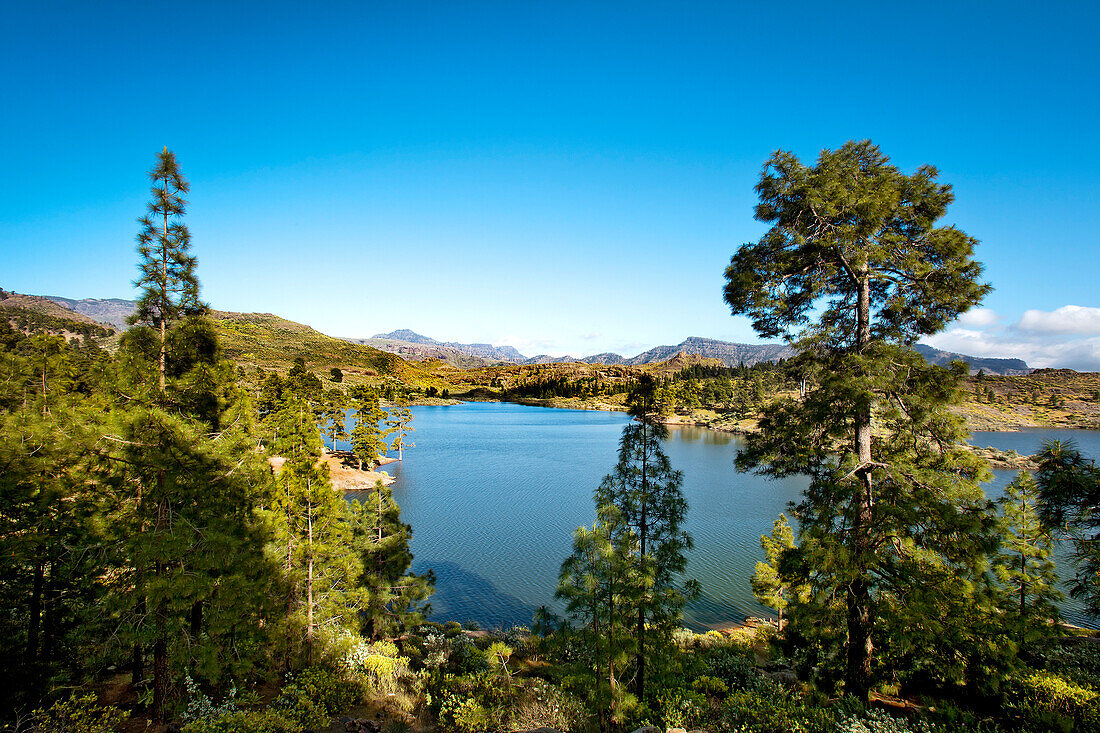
344	471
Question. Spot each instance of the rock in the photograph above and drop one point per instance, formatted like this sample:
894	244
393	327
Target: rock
676	730
783	677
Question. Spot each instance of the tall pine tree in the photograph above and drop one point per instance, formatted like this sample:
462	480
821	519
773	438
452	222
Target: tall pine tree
394	597
170	290
645	490
601	585
1025	565
854	268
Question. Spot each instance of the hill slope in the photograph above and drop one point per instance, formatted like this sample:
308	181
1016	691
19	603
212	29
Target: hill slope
266	340
1001	367
114	311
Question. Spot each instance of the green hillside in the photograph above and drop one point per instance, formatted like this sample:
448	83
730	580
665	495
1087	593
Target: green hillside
267	341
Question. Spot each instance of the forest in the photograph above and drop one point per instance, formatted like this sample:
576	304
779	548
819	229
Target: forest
173	553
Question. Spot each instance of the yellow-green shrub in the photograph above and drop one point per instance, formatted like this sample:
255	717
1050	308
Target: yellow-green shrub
244	721
78	714
1048	700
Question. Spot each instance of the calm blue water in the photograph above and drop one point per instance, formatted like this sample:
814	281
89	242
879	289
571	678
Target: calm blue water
494	491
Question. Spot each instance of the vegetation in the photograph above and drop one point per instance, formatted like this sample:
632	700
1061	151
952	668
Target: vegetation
1069	503
171	540
621	584
856	237
141	521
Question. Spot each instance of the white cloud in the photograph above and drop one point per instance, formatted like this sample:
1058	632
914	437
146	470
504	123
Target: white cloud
979	318
1069	319
1067	337
590	336
1080	354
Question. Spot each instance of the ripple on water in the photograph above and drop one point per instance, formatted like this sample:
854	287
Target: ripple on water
494	491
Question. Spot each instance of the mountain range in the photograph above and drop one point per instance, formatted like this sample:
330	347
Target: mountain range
415	347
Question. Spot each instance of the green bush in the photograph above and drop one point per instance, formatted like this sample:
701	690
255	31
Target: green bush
467	716
681	708
464	657
1045	700
380	664
244	721
315	695
78	714
733	667
769	709
544	705
712	686
877	721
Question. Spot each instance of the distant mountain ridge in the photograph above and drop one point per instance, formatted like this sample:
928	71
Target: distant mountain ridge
114	311
412	345
989	365
407	342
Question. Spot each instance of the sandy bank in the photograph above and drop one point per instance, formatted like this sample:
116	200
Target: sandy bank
343	471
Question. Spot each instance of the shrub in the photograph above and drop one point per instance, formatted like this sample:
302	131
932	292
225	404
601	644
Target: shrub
768	709
543	705
1047	700
732	667
78	714
200	707
712	686
466	716
877	721
681	708
244	721
315	695
380	664
464	657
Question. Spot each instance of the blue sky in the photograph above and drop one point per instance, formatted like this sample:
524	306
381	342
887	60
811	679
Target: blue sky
563	177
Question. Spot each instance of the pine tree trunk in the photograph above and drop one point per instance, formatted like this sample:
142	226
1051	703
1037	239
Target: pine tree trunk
34	619
160	664
160	644
50	612
137	654
639	681
309	584
196	619
858	596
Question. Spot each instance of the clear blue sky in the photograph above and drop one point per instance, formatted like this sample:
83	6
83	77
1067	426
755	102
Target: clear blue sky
565	177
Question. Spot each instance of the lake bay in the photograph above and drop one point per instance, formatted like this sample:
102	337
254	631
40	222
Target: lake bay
494	491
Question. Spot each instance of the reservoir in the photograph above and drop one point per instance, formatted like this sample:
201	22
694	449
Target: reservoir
494	491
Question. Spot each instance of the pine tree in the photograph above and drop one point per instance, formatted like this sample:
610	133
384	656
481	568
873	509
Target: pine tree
314	537
397	423
368	440
170	290
394	597
334	417
601	584
646	492
854	267
1069	504
187	525
1024	565
768	584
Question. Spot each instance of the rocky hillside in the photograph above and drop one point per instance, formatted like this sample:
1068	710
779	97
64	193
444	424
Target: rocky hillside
45	306
114	311
999	367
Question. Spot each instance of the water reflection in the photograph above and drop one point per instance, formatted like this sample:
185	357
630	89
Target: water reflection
493	493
